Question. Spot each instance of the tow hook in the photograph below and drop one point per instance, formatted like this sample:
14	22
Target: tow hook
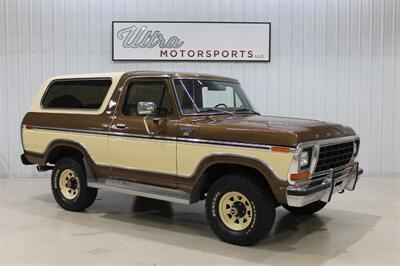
341	191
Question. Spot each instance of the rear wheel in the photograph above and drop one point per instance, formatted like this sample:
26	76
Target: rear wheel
69	185
239	209
308	209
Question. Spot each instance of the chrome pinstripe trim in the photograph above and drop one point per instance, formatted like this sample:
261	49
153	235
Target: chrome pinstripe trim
141	136
179	139
228	143
71	130
104	133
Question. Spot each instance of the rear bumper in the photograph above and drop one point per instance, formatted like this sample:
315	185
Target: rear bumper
322	186
25	161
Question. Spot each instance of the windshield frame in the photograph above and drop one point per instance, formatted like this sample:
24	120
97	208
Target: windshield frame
211	112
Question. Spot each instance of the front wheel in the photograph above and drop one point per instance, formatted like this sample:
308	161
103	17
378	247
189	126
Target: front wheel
239	209
308	209
69	185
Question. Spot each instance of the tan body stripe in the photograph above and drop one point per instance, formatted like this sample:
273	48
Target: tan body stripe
152	155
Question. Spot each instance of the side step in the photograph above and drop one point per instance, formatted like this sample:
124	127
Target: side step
142	190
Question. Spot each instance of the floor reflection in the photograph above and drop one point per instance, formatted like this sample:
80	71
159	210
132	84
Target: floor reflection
146	205
178	225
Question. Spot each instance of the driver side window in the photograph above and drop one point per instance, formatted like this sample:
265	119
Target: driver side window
147	91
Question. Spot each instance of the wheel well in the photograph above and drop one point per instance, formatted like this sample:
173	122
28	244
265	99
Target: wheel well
63	151
214	172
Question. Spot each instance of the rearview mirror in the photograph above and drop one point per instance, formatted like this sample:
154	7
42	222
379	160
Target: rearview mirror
146	108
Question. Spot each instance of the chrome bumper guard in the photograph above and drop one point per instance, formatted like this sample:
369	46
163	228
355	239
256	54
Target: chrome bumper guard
322	186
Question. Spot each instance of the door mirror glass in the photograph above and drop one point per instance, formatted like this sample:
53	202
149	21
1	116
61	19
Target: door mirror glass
146	108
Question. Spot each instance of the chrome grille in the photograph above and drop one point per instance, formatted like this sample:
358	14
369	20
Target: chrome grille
333	156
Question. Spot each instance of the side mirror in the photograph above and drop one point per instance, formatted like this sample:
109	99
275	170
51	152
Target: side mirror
146	108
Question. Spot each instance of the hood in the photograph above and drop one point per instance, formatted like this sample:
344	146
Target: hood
272	130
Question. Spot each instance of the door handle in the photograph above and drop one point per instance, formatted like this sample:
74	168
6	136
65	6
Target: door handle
187	131
120	125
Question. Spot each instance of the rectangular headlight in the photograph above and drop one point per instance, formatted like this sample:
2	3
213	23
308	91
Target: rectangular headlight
305	159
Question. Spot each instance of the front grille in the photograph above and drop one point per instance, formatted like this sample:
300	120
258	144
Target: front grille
333	156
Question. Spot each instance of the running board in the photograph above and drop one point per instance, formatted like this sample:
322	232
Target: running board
142	190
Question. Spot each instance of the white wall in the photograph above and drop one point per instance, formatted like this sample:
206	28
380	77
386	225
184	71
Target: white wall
330	60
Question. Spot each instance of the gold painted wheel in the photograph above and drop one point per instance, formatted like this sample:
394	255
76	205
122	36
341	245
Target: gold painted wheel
69	184
235	210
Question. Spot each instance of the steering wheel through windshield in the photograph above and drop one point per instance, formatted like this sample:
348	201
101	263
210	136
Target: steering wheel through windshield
221	105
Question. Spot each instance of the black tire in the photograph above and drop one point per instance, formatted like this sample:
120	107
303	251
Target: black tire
261	201
84	197
308	209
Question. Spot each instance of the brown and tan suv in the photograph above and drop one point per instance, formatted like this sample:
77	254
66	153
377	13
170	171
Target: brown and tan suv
183	138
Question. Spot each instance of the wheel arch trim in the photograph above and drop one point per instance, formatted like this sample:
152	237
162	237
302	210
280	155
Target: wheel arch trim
276	185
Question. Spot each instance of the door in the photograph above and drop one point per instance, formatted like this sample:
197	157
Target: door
143	148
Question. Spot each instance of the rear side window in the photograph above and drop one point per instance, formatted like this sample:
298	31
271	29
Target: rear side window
76	94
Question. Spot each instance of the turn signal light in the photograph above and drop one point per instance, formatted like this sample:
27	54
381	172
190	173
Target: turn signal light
280	149
300	176
352	162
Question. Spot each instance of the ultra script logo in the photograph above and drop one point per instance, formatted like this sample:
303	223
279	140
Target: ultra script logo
134	37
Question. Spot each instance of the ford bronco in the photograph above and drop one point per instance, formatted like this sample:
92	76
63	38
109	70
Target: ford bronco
183	138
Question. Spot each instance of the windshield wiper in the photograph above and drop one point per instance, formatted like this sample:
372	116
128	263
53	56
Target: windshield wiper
246	110
217	110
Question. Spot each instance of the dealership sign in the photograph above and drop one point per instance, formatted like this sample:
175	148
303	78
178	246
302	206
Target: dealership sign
191	41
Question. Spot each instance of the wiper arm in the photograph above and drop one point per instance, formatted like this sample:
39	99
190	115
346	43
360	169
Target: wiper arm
246	110
217	110
224	111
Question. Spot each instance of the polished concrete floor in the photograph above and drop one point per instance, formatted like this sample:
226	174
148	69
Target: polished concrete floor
361	227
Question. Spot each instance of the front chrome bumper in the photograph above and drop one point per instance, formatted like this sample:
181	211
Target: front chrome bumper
322	186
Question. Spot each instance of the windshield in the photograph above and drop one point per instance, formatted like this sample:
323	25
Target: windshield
211	96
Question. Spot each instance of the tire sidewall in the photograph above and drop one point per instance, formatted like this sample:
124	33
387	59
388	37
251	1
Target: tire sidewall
63	164
215	215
